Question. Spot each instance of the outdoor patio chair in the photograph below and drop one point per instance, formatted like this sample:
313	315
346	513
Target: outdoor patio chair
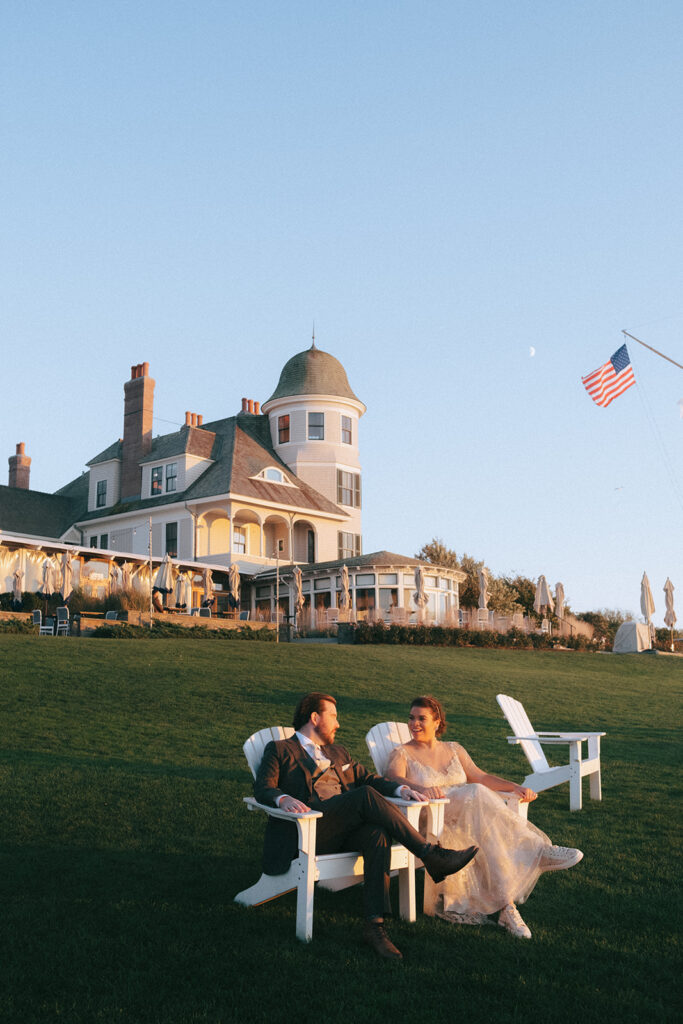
111	616
244	616
332	871
63	627
204	613
386	736
545	776
48	627
37	617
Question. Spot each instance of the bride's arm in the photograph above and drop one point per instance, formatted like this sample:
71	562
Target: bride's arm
493	782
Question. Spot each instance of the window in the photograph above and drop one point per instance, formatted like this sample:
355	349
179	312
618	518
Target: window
388	578
282	429
316	426
171	476
365	579
348	488
93	541
310	549
172	539
101	493
156	479
273	474
239	540
348	544
347	436
104	540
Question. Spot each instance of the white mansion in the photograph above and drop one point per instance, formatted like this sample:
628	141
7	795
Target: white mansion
278	484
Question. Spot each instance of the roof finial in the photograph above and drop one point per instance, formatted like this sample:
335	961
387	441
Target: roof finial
313	345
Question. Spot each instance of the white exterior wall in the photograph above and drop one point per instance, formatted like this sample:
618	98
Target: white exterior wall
190	467
111	472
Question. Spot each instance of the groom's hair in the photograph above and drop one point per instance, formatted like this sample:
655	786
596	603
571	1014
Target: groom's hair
308	705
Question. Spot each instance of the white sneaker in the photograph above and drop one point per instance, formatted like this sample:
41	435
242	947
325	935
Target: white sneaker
511	919
556	858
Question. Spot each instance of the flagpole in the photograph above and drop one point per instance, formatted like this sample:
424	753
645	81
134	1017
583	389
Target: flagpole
652	349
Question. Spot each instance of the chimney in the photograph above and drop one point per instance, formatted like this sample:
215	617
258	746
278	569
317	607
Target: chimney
19	468
137	428
244	405
250	405
257	406
188	419
200	420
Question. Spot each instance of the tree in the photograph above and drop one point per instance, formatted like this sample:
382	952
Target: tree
605	622
437	553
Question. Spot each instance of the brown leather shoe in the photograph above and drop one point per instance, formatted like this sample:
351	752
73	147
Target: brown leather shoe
440	862
375	935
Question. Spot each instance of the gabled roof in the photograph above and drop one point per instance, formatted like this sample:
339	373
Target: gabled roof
186	441
112	452
240	449
43	515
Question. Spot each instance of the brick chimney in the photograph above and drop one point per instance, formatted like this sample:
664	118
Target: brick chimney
138	410
19	468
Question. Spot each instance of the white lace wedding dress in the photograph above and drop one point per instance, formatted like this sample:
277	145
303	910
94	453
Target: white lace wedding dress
505	869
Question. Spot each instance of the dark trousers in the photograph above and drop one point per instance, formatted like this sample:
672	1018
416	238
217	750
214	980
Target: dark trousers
361	819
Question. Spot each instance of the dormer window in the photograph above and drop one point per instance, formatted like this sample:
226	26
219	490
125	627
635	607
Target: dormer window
274	474
101	493
157	480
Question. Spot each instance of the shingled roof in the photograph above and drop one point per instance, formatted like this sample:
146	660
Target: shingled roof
37	514
313	372
240	448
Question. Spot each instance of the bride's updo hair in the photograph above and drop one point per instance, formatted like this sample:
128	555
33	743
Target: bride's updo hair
436	708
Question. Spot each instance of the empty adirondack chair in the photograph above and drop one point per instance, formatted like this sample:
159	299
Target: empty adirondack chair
385	737
545	776
332	871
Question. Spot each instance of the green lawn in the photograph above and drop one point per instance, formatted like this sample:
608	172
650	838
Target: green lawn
123	839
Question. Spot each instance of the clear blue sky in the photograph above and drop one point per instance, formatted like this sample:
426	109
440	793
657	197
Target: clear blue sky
441	186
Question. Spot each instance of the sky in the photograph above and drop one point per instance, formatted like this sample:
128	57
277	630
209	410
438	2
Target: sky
470	200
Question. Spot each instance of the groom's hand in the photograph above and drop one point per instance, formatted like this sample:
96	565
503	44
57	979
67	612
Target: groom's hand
294	806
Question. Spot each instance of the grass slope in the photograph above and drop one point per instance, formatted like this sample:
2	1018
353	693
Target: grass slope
123	839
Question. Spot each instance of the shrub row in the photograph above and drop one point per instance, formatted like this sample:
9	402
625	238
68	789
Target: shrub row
168	630
443	636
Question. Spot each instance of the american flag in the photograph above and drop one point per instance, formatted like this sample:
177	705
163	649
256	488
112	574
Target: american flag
611	380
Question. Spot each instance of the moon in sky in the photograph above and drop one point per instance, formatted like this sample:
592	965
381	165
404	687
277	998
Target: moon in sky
532	350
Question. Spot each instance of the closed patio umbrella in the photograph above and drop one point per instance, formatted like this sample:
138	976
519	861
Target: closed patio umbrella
298	590
234	581
181	591
115	578
208	587
483	588
647	604
559	600
543	598
67	575
163	581
17	577
420	597
670	614
345	596
127	575
48	585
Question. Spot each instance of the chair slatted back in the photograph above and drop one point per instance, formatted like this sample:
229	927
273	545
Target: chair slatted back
521	726
63	614
37	617
256	744
384	738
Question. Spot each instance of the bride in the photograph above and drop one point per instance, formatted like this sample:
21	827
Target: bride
513	853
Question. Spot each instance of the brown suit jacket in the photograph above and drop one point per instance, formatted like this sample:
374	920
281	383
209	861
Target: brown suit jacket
286	768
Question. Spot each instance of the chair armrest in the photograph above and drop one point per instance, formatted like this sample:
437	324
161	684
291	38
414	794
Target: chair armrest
276	812
556	738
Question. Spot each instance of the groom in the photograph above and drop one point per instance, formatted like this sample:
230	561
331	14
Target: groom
310	771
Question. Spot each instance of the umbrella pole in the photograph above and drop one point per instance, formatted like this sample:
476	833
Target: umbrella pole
277	594
151	581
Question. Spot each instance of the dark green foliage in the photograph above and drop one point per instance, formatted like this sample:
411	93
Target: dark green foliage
442	636
162	630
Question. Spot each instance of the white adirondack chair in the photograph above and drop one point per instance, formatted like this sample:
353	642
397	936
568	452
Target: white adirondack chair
385	737
543	775
332	871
